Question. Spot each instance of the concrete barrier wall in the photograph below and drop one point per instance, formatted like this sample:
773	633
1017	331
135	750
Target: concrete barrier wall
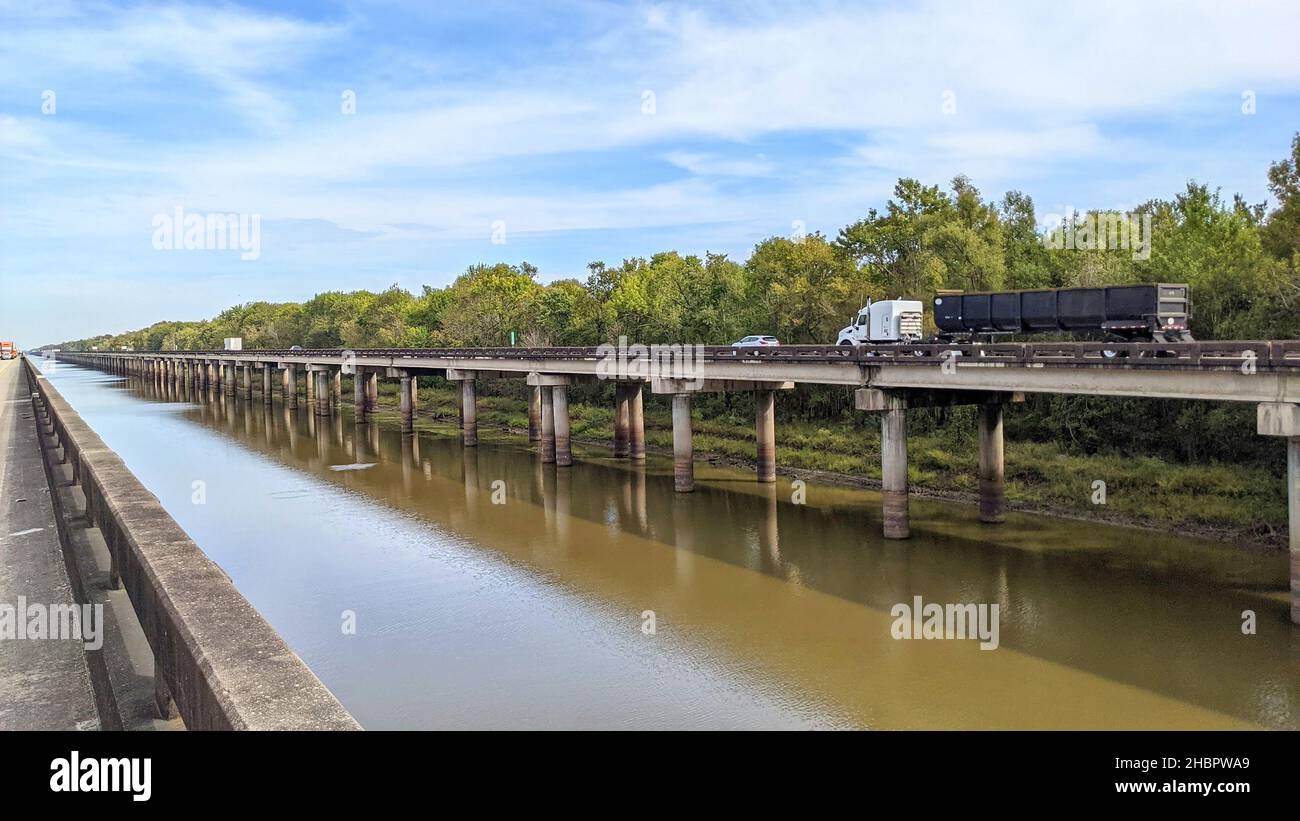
225	667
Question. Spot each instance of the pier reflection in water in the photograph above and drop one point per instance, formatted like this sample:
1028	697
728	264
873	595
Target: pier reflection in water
492	590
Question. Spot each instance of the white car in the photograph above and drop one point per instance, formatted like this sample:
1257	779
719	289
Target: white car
756	342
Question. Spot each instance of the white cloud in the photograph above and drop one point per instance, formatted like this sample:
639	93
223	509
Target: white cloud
814	110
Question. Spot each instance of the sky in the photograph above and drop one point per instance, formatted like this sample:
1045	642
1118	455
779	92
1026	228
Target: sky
367	144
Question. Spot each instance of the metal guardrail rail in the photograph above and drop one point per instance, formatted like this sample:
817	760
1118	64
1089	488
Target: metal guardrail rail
1264	355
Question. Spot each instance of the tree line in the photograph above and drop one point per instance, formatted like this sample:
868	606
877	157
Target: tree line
1241	259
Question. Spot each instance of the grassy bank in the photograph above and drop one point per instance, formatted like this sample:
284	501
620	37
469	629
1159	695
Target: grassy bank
1240	503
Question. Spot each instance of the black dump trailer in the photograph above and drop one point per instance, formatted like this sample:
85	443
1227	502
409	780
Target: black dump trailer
1158	312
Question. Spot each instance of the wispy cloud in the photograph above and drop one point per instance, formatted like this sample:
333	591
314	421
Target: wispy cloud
597	130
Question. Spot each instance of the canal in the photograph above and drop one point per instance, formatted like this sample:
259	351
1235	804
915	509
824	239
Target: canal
435	586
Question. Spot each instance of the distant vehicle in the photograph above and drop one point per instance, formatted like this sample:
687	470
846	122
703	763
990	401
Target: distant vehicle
295	347
8	350
233	343
889	321
756	342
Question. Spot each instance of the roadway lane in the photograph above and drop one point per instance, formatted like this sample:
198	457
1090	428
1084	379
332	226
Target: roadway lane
44	684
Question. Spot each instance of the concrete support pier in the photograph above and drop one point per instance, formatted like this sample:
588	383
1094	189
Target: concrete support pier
468	413
309	386
534	414
372	391
765	434
560	406
290	385
322	393
621	419
635	422
268	397
1293	520
407	402
1283	419
548	428
359	395
683	453
468	404
336	387
992	491
893	472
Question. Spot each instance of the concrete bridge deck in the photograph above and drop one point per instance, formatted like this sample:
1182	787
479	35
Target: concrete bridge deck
887	380
44	683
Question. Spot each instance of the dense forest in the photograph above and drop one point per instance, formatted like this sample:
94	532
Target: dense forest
1241	260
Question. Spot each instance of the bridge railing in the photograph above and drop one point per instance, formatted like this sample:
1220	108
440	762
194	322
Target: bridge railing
1234	354
223	664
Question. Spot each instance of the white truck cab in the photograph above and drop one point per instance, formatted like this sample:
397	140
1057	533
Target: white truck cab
889	321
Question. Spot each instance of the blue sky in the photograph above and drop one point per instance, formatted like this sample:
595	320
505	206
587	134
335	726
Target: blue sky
581	131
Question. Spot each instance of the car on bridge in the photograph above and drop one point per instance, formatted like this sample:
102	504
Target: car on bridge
756	341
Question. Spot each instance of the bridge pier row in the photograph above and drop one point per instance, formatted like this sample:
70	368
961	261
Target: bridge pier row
534	414
765	434
622	415
1283	419
267	393
407	401
560	405
683	451
992	468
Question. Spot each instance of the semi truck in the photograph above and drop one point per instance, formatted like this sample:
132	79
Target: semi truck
1155	312
8	350
888	321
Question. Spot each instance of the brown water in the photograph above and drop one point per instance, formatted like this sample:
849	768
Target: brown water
766	613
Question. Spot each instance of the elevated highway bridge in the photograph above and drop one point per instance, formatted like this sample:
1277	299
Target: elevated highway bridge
887	380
